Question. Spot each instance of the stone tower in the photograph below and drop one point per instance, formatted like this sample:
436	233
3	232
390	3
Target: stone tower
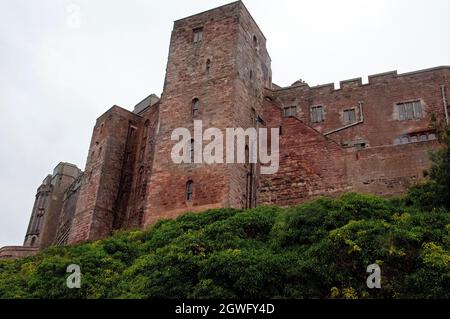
217	69
48	204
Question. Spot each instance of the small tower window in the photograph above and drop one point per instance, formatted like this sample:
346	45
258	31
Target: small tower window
208	65
189	190
198	35
255	43
195	107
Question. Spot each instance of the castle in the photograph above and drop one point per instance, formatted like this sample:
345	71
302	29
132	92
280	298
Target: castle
370	138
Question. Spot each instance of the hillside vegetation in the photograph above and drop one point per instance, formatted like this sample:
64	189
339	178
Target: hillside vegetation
316	250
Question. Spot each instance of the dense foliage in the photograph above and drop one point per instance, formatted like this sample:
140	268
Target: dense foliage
436	191
317	250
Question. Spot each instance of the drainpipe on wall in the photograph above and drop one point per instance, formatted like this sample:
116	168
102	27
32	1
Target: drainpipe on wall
444	100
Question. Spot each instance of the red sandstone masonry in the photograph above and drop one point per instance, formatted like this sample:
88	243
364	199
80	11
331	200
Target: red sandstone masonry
227	91
94	216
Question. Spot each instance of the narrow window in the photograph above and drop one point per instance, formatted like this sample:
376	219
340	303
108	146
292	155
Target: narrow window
39	223
290	111
349	116
33	240
255	43
145	133
208	65
195	107
253	116
189	190
192	150
317	115
198	35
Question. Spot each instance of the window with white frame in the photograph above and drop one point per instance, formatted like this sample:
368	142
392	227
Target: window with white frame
198	35
349	116
409	111
317	114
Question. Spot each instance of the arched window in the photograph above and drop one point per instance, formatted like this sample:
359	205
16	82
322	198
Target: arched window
255	42
195	107
189	190
192	150
33	241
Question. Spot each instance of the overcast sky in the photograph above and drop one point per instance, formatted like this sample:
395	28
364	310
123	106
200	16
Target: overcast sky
58	76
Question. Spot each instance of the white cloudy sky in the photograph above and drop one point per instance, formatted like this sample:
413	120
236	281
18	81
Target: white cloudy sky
55	80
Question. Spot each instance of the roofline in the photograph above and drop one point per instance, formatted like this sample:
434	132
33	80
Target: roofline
153	94
206	11
393	73
226	5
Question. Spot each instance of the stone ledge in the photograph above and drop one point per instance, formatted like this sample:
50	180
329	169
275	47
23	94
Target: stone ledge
15	252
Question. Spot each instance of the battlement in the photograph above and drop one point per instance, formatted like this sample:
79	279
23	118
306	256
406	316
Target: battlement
358	82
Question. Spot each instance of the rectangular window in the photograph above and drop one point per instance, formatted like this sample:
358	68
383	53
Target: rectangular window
290	111
349	116
409	111
198	35
317	114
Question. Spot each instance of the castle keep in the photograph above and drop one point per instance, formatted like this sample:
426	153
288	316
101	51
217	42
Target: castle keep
370	138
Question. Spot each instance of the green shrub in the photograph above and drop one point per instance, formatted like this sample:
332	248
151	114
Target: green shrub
317	250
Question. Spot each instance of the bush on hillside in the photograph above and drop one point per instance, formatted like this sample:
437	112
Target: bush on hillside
316	250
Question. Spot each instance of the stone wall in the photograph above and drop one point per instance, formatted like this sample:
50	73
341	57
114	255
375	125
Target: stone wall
110	148
379	153
15	252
